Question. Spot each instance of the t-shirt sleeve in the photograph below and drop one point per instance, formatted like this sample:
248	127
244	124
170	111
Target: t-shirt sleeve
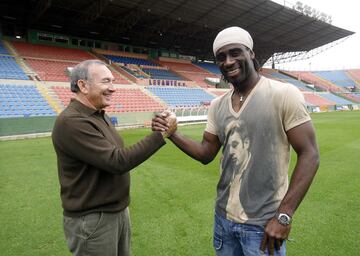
211	126
294	108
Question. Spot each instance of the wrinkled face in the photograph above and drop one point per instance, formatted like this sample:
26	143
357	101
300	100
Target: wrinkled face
235	63
239	148
99	86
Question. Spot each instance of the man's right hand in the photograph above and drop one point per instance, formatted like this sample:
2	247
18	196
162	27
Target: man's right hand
165	122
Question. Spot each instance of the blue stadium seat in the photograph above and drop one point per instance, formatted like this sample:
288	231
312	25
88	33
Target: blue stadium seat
130	60
212	67
161	74
23	101
291	80
332	97
3	50
9	69
181	97
337	77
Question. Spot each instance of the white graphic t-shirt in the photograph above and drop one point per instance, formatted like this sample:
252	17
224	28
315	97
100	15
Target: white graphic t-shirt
256	151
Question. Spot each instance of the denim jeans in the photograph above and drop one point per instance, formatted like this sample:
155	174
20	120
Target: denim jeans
99	233
234	239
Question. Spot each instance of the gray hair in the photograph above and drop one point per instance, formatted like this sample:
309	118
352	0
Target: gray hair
81	72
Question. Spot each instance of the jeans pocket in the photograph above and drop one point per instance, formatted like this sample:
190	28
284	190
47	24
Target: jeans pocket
91	223
218	239
217	242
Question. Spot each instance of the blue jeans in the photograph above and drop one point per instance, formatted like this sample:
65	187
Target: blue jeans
234	239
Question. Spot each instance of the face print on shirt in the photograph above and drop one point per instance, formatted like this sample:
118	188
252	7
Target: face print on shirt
237	151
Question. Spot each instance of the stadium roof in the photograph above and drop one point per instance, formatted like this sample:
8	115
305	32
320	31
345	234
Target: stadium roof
186	26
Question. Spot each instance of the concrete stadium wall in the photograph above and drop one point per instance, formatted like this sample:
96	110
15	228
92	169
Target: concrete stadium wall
26	125
34	125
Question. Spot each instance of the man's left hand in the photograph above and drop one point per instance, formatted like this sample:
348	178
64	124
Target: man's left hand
274	235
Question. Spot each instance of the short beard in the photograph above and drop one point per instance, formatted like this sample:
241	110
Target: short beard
244	66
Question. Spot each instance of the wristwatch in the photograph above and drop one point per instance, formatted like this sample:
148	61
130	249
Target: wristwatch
284	219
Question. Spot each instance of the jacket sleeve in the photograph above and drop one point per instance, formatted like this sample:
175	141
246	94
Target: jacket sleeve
80	140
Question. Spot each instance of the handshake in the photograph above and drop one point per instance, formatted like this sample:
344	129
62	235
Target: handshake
165	123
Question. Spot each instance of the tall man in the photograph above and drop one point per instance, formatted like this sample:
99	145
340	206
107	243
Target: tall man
255	123
94	166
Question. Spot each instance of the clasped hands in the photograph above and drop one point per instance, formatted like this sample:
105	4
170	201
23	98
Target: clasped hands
164	122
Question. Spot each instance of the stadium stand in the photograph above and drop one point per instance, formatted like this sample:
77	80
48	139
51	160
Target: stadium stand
188	70
285	78
123	100
310	78
129	60
181	97
316	100
218	92
134	71
161	74
161	70
23	101
334	98
50	52
49	70
355	75
119	79
3	50
9	69
337	77
355	97
211	67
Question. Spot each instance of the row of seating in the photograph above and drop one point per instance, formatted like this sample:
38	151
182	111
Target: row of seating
122	100
284	78
130	60
51	70
3	50
9	69
190	72
180	96
50	52
23	101
211	67
26	100
337	77
161	74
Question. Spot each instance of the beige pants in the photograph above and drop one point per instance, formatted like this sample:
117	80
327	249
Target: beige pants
99	234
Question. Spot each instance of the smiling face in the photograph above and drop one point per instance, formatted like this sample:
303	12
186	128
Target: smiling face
98	89
235	63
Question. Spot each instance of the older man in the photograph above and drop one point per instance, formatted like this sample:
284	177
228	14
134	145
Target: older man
255	123
94	165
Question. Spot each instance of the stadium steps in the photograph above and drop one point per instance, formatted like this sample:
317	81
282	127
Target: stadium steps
111	67
142	72
353	78
153	96
55	97
10	48
346	97
45	93
28	70
114	68
117	73
289	74
330	84
128	76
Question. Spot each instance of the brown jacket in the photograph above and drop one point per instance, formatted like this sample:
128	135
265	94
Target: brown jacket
93	164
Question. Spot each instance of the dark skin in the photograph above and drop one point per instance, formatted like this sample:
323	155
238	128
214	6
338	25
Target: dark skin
235	63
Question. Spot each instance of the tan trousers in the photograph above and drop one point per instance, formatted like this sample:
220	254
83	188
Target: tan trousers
99	234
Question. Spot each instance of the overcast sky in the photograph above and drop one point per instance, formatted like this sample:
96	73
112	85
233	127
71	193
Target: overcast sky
346	55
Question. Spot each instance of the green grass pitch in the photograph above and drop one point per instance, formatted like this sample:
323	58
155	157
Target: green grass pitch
173	197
